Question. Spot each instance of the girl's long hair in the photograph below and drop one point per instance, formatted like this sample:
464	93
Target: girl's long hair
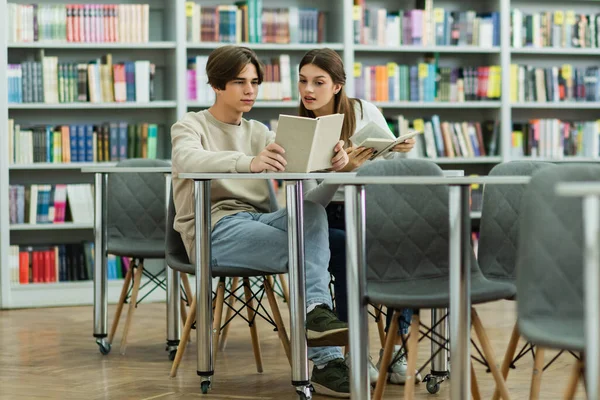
330	61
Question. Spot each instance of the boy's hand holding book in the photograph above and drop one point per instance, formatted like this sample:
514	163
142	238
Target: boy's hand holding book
270	159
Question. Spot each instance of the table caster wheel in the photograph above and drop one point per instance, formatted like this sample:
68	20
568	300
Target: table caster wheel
205	387
304	392
103	345
172	354
433	386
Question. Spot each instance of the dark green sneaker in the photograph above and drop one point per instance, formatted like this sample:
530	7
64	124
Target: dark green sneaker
323	328
332	380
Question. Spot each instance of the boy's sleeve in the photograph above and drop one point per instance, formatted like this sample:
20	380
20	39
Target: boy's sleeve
188	154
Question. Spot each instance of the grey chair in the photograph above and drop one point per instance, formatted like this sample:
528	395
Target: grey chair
177	259
549	267
407	236
135	230
498	238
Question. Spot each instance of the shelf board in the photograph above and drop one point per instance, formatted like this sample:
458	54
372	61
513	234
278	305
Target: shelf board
73	165
426	49
79	46
467	160
565	159
267	46
438	104
50	227
586	105
258	104
556	51
87	106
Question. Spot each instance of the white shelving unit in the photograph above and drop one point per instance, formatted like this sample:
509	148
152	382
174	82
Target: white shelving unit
169	49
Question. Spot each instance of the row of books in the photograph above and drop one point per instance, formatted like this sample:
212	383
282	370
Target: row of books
554	138
425	27
51	204
426	82
88	23
51	263
249	22
555	29
554	84
108	141
279	84
99	81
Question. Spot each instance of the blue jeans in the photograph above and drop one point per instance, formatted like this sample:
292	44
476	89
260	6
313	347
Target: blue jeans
259	240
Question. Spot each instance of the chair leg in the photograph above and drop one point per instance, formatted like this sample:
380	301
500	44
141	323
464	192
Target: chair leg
229	313
508	357
574	380
185	336
284	288
386	358
283	336
488	351
120	304
413	341
183	311
380	324
186	286
474	386
253	330
536	378
217	317
137	278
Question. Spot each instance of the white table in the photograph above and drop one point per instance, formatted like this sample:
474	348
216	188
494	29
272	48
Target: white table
460	279
100	271
590	194
295	223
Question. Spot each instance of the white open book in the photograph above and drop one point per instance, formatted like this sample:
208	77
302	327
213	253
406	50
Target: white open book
381	141
308	142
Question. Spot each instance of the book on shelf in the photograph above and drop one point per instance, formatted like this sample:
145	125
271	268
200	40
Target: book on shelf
449	139
308	142
51	203
97	81
557	29
426	82
78	23
554	84
249	22
424	26
554	138
108	141
279	83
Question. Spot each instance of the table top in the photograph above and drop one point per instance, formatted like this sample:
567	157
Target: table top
286	176
337	179
578	189
120	170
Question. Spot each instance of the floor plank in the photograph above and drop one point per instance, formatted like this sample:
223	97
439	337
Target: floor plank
51	354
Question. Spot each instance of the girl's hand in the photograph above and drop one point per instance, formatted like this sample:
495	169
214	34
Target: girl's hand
339	161
405	146
357	157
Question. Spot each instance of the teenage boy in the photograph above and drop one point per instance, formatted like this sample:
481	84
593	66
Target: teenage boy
244	232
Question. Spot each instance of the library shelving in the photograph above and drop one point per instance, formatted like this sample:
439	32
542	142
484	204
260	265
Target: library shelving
170	47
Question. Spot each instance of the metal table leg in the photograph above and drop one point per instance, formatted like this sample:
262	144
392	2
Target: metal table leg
203	284
100	270
591	272
295	223
460	290
173	291
356	266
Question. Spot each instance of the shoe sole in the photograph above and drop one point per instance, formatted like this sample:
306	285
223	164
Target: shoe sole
322	390
335	337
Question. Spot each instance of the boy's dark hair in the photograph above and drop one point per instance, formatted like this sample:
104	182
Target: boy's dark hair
226	62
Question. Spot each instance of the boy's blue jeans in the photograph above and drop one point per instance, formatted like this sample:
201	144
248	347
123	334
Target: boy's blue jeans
259	240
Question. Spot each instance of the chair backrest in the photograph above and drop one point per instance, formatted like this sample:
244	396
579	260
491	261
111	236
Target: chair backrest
407	225
550	250
136	202
499	227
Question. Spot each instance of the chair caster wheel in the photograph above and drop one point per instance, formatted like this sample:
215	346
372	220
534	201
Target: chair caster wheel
103	345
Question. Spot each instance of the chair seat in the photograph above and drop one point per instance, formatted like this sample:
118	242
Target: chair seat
181	264
434	292
138	248
564	334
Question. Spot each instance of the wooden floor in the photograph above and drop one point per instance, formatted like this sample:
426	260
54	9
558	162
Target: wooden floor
51	354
